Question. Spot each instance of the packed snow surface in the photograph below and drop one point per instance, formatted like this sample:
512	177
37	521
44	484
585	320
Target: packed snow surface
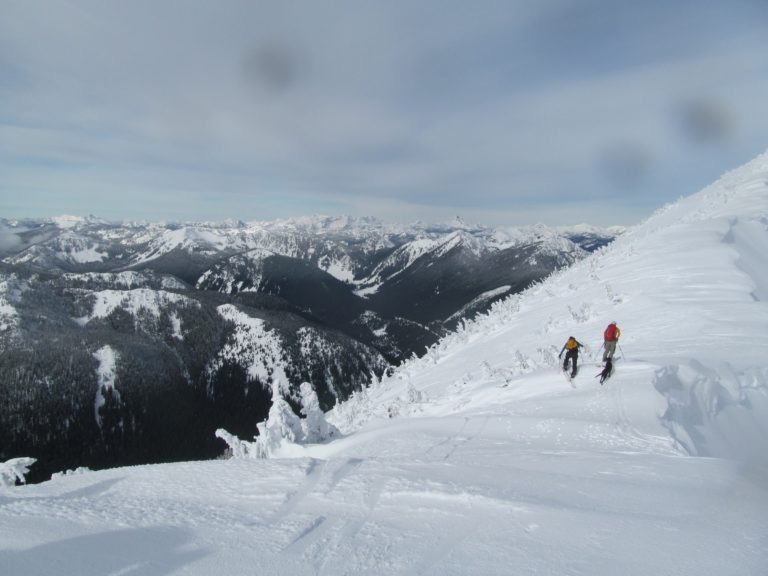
481	457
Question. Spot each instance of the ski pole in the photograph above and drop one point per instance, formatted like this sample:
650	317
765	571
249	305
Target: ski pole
620	350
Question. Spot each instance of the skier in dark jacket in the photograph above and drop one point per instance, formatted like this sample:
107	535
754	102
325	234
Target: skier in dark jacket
571	349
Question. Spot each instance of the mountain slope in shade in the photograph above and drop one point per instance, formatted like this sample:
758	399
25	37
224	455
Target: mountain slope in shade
480	457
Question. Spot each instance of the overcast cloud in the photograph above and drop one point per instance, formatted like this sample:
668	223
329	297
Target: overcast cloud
507	112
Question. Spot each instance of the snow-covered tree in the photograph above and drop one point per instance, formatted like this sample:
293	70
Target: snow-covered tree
316	427
241	449
15	469
283	428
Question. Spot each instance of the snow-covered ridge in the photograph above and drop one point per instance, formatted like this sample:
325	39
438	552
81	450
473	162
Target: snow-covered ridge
590	229
685	286
481	298
334	244
406	255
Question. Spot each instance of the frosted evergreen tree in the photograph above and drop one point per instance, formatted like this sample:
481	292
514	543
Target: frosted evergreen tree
282	425
283	428
15	469
316	427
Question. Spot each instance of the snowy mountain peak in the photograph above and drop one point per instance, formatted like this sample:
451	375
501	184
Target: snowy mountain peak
460	224
66	221
461	238
321	224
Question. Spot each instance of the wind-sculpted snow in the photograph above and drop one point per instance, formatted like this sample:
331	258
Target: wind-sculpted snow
748	237
717	412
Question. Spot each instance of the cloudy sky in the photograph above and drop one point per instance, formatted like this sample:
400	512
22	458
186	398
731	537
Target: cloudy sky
508	112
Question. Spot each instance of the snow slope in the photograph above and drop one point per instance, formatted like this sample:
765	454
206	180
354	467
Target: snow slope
480	457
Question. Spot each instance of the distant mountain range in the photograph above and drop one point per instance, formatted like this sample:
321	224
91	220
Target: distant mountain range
132	342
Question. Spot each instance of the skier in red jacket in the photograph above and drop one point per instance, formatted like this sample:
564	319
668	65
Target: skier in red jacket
610	339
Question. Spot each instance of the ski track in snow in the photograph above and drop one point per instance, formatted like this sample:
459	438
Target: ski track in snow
478	458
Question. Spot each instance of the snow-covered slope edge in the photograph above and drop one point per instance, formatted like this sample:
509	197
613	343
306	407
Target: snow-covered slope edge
688	288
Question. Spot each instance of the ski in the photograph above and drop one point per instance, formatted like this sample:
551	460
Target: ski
568	377
606	373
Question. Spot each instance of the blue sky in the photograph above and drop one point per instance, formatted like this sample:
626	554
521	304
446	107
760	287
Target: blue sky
504	113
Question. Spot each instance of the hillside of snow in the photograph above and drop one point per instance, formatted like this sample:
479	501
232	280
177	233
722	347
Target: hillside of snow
481	457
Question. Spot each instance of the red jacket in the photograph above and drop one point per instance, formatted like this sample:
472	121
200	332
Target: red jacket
611	333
